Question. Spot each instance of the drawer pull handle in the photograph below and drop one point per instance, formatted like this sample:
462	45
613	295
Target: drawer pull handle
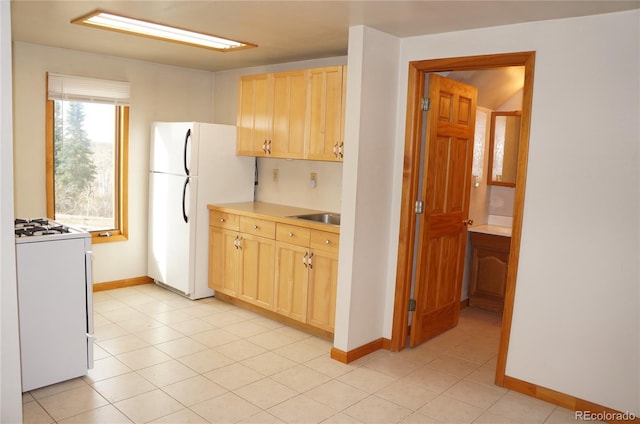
290	234
221	219
255	227
327	241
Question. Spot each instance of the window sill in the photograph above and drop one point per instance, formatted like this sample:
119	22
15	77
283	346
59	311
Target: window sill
97	239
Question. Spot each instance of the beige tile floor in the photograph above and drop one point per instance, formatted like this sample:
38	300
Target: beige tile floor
161	358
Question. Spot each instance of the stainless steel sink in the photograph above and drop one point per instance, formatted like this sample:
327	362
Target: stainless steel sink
325	218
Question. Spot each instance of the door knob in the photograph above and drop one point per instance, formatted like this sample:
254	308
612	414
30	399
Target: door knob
467	221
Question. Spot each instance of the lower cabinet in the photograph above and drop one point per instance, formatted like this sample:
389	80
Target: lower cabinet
306	275
489	265
256	281
321	299
292	280
240	261
287	269
224	260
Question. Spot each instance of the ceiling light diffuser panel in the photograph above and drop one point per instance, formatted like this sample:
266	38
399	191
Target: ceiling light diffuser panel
109	21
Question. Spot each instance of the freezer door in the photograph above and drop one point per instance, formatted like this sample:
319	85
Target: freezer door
170	230
173	148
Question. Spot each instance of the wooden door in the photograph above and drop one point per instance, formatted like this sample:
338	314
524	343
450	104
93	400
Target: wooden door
445	191
325	130
253	115
291	280
224	261
289	109
256	284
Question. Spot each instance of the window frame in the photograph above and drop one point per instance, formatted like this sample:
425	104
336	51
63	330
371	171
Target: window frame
121	232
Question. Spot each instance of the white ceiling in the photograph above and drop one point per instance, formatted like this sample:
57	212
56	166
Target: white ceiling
285	31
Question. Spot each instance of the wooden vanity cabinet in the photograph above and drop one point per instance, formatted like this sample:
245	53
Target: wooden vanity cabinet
489	265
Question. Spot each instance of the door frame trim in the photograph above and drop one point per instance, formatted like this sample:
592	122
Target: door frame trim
410	176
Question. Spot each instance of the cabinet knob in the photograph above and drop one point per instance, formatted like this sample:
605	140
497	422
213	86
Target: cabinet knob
327	241
221	219
255	227
290	234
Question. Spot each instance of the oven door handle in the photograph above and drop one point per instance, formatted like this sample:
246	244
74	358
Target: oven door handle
88	264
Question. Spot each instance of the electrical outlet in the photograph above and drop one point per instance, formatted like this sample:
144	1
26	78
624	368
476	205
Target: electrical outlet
276	173
313	180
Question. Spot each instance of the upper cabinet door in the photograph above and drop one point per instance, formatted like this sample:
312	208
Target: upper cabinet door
253	124
289	109
293	115
326	122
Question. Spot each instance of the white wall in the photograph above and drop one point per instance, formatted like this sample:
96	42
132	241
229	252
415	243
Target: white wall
158	92
576	324
10	385
367	187
292	187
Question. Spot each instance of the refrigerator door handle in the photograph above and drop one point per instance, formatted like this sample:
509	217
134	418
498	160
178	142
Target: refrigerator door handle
184	196
187	137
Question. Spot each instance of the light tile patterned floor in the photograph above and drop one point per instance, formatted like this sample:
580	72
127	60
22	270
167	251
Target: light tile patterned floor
164	359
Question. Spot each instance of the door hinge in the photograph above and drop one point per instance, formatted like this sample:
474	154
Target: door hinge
419	206
426	103
412	305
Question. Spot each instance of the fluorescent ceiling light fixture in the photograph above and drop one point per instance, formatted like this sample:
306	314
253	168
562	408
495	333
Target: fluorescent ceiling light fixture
106	20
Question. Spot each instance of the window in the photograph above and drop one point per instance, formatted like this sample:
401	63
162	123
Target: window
87	145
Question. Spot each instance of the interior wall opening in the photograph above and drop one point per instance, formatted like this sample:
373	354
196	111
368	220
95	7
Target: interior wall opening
480	66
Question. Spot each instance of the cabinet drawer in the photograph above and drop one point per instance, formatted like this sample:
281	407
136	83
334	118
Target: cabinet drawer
322	240
258	227
299	236
225	220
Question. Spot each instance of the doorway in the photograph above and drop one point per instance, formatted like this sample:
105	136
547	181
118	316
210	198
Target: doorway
411	174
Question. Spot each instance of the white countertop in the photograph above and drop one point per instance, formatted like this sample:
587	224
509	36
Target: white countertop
492	229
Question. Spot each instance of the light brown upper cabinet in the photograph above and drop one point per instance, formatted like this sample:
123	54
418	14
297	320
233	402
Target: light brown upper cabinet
271	114
325	130
293	115
503	149
253	121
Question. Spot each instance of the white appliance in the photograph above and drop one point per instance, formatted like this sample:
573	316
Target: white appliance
53	264
192	165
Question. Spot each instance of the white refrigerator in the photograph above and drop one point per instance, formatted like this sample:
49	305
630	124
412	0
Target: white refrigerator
191	165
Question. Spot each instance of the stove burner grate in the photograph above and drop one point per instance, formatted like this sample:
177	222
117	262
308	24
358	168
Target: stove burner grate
38	227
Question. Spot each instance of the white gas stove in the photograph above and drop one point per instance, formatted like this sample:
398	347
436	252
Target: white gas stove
55	290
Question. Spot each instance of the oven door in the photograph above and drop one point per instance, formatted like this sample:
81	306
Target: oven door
52	299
